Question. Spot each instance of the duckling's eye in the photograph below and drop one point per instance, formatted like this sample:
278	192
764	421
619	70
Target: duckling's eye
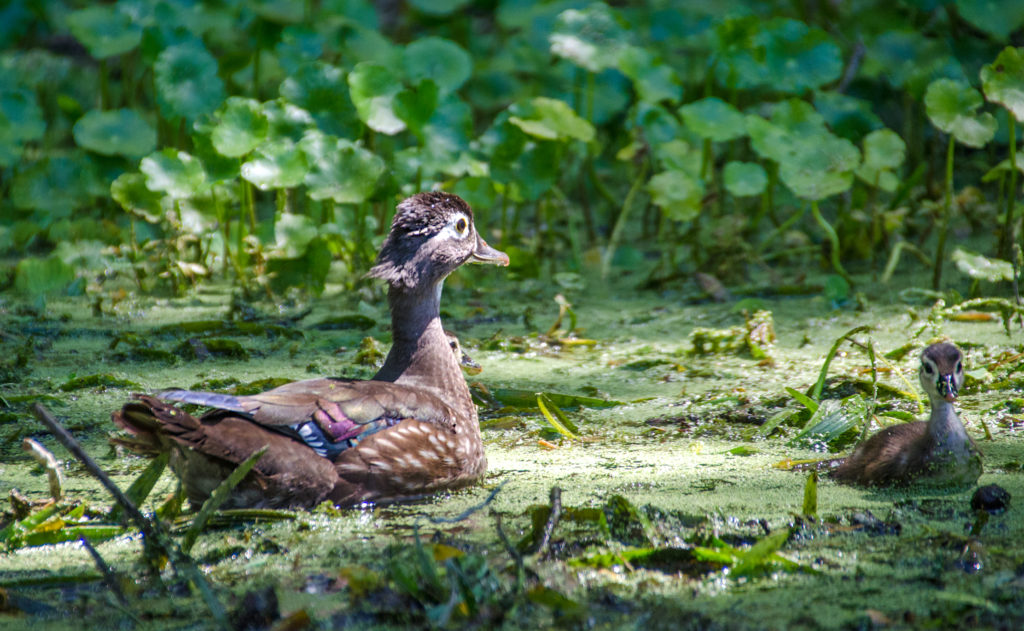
959	367
462	225
927	368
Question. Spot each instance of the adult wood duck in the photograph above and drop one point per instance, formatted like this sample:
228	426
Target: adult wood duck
936	452
411	430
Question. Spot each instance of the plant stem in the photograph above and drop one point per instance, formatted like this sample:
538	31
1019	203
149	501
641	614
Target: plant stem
947	202
620	223
1006	237
833	239
104	85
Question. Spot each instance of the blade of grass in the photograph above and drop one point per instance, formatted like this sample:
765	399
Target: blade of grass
562	424
811	494
815	392
218	497
803	399
141	487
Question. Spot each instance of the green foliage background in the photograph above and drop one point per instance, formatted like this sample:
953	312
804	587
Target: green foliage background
166	141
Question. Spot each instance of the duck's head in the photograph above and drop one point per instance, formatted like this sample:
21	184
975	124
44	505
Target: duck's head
942	371
431	235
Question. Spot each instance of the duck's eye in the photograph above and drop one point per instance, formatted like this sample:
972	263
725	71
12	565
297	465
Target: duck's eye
927	368
959	367
462	225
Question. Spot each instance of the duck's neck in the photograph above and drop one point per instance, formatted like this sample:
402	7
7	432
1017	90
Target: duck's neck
944	424
420	352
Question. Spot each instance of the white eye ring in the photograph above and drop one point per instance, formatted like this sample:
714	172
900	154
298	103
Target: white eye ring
462	225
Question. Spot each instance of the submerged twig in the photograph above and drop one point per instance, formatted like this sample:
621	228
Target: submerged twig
549	527
511	549
466	514
154	538
46	459
109	576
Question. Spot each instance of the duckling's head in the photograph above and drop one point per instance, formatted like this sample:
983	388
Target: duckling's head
942	371
431	235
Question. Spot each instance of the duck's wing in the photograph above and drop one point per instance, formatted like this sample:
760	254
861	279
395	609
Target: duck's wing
329	415
888	458
204	452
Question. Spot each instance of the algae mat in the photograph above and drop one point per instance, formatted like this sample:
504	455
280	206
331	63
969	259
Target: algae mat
671	506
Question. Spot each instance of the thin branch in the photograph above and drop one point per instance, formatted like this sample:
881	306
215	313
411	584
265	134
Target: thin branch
109	576
155	539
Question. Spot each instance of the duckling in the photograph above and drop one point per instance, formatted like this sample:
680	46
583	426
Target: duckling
409	431
936	452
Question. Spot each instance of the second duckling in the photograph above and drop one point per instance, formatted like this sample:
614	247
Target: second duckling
936	452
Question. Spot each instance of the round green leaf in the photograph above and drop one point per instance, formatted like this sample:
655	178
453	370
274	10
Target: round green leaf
339	170
321	89
592	38
240	126
286	121
793	122
799	58
996	17
21	121
186	81
744	179
677	194
550	119
174	173
278	164
1003	81
714	118
438	7
104	30
371	46
653	80
316	86
847	116
820	166
279	11
292	234
373	89
115	132
130	191
38	277
908	59
416	105
884	150
56	185
981	267
950	106
1003	168
678	155
438	59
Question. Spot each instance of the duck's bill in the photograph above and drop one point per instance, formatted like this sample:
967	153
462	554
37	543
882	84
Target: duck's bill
486	254
947	388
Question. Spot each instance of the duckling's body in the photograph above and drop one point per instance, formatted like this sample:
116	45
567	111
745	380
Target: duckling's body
936	452
411	430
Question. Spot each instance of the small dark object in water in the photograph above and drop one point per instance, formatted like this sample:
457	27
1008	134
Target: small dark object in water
936	452
991	498
259	610
867	522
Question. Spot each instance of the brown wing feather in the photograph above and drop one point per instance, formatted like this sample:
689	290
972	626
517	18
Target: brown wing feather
410	458
204	453
360	401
